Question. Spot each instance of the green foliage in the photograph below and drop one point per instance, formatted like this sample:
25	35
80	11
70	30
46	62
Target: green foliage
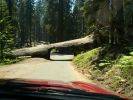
126	61
7	61
101	33
131	53
83	60
58	20
85	15
6	32
104	64
120	75
116	72
114	17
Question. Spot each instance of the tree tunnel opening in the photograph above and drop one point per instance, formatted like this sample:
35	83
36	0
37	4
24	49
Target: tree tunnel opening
61	54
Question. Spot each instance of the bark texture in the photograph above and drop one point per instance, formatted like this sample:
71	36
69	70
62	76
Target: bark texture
44	50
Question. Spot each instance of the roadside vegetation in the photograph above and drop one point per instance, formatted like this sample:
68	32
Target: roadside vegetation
111	66
25	23
7	61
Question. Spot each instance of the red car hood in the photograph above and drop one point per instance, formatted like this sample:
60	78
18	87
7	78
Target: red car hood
88	87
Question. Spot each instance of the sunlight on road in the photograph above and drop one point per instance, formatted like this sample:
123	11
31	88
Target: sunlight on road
60	68
61	57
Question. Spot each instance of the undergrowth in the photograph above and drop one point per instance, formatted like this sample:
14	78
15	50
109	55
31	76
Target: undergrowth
112	66
83	60
7	61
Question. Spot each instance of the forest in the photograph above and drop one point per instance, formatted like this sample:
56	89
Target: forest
25	23
28	23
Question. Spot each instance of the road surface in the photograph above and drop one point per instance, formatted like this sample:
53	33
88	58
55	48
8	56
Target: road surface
60	68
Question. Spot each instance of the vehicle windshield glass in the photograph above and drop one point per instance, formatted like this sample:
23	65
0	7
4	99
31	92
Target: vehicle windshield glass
84	45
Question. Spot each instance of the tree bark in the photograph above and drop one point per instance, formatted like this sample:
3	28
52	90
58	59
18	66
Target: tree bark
44	50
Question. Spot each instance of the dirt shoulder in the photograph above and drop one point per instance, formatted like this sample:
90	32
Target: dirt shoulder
21	68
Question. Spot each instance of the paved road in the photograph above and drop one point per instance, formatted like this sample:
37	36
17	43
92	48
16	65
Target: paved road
60	68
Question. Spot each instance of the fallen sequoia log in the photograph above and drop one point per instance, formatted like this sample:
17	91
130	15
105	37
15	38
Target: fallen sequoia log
44	50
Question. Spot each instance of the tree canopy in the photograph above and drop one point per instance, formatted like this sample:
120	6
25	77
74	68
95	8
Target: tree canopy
27	22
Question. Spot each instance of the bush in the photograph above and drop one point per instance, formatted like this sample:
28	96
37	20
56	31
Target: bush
6	61
113	68
126	65
83	60
121	75
131	53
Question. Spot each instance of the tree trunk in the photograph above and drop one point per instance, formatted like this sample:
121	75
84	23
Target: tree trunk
60	21
44	50
10	5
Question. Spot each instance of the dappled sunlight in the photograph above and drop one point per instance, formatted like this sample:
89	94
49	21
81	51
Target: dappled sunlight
61	57
68	40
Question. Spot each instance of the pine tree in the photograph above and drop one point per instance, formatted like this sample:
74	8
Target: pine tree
6	30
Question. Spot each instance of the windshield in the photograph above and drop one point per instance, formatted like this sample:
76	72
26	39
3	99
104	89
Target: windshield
80	44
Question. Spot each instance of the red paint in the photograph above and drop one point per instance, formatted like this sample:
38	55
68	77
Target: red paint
91	88
88	87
